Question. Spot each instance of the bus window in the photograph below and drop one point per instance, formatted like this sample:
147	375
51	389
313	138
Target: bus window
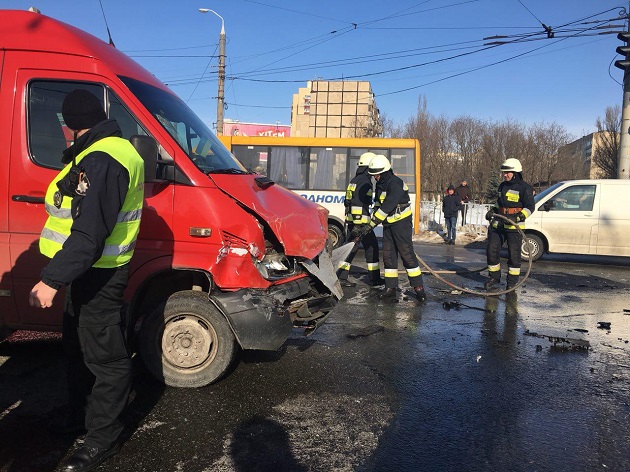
253	158
355	154
287	166
402	161
327	170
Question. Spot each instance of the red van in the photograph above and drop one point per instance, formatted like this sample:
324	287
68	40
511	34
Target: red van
225	258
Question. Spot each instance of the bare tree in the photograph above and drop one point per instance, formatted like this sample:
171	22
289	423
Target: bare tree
542	159
471	148
467	135
388	127
606	143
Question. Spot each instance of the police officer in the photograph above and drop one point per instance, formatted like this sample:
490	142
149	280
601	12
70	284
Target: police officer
94	206
516	202
392	208
358	201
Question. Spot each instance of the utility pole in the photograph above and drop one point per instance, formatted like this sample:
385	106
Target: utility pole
624	145
221	94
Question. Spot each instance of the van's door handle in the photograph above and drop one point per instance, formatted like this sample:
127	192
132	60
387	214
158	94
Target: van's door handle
27	199
589	215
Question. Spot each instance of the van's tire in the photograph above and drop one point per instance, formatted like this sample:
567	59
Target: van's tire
536	246
187	342
335	235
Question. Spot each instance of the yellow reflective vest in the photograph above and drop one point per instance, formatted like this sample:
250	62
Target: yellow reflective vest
120	244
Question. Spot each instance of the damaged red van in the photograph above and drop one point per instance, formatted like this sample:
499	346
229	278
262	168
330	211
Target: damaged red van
225	260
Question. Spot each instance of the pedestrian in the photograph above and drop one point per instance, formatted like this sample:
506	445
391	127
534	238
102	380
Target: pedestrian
359	199
450	207
463	192
392	208
516	202
94	206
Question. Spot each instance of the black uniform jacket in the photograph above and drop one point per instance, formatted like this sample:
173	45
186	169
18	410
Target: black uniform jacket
395	194
94	213
516	193
362	195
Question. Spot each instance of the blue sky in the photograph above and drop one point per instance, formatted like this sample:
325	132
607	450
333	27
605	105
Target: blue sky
405	48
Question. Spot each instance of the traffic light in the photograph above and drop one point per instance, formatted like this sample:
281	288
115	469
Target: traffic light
624	64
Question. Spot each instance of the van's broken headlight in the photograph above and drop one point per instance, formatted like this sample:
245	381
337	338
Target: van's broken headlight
276	266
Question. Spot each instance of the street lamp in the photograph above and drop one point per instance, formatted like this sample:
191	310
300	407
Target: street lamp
221	94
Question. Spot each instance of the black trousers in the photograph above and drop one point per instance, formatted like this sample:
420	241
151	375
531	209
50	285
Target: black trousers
370	245
397	241
99	364
496	238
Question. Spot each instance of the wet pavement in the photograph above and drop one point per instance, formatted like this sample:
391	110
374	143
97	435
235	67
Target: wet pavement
522	382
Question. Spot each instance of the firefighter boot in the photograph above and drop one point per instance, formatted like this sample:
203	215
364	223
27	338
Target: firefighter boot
493	282
347	283
420	293
387	294
512	280
376	279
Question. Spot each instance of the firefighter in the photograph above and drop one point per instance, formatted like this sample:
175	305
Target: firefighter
516	202
392	208
358	202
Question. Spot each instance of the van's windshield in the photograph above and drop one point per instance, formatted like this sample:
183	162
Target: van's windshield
193	136
547	191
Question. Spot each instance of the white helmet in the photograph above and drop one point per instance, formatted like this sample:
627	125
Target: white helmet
378	165
366	158
511	165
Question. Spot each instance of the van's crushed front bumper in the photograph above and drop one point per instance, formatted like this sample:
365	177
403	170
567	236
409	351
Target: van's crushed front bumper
264	319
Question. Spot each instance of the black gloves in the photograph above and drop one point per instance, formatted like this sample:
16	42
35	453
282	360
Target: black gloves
520	216
490	213
356	233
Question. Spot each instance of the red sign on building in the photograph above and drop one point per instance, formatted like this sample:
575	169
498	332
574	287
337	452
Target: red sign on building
236	128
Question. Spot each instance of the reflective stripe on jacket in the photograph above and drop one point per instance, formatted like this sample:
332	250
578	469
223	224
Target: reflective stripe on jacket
120	244
514	194
392	201
359	195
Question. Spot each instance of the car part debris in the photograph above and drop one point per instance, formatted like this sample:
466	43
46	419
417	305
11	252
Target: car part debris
562	342
448	305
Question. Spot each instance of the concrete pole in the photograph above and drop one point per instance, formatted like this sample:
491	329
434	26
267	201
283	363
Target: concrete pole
221	94
624	145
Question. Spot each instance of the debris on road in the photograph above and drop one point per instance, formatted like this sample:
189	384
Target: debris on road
562	342
367	331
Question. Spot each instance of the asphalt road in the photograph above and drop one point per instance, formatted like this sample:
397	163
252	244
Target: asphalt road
459	383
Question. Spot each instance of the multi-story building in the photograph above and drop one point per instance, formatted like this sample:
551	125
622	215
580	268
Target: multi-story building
583	150
335	109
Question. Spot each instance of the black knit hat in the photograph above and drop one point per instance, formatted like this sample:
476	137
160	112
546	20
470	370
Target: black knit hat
82	110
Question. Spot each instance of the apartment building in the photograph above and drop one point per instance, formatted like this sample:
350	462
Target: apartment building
335	109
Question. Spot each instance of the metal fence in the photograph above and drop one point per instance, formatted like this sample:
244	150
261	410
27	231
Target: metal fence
432	218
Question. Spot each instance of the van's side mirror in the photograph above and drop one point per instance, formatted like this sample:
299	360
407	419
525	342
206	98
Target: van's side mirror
548	205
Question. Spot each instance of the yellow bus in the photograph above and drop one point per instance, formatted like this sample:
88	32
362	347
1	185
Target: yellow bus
319	169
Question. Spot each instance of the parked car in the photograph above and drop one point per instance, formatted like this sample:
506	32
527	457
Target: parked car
580	217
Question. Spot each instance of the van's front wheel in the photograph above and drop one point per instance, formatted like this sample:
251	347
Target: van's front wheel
187	342
536	247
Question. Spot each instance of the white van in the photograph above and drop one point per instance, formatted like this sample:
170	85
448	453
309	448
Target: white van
580	217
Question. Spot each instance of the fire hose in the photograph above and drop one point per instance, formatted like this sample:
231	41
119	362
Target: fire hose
357	239
476	292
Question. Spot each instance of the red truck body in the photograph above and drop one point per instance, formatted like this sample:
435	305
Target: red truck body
219	247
